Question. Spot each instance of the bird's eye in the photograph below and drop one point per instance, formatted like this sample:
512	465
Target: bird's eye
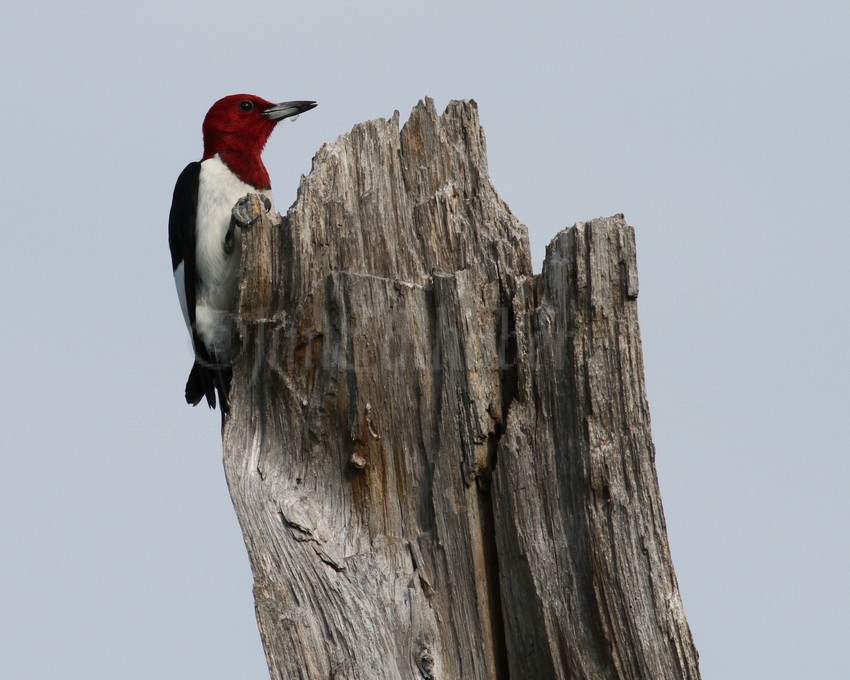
246	105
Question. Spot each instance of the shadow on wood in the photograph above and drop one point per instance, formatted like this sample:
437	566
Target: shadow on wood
442	464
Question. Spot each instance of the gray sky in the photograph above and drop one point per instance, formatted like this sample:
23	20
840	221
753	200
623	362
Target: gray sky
719	129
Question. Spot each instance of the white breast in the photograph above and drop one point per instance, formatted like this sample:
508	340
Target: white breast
218	191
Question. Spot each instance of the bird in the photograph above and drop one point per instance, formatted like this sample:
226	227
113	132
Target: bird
205	248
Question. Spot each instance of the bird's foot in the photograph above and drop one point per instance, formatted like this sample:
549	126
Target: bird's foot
247	210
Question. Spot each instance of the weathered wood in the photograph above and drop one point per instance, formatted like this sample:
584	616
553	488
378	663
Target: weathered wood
442	465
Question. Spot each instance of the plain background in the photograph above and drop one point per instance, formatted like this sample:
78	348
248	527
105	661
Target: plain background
719	129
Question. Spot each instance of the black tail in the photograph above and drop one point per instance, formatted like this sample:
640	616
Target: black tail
205	382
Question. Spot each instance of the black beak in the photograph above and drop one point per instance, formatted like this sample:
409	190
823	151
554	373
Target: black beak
288	109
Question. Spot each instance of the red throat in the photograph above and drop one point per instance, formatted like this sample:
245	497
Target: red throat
248	168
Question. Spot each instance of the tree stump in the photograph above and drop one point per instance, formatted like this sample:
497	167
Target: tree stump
441	463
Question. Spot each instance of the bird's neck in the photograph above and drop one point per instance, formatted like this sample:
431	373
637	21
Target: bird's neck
248	167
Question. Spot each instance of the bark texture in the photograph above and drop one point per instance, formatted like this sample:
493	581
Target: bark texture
442	464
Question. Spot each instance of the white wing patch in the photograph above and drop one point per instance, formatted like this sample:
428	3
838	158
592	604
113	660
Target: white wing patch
180	282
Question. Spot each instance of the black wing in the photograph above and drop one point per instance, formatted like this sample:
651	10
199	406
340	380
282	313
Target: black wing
205	376
181	220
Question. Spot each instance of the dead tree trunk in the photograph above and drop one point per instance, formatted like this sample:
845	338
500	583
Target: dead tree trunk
441	463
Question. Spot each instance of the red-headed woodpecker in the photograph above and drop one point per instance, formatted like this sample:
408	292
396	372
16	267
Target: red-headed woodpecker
205	250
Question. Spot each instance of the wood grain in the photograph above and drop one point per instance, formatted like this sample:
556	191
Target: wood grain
442	464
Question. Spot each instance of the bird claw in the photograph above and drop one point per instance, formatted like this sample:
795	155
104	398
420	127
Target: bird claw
228	237
247	210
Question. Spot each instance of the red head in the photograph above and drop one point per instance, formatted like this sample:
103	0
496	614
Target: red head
238	127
